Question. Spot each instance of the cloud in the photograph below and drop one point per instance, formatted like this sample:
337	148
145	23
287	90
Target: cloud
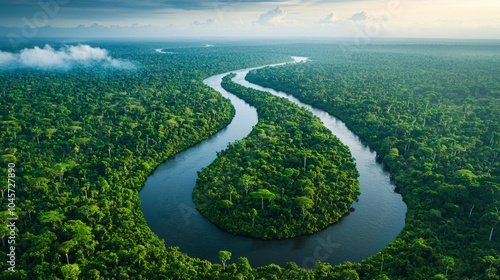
361	16
331	18
208	23
65	58
6	58
273	17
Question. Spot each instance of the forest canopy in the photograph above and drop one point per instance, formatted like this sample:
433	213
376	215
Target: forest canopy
431	113
85	140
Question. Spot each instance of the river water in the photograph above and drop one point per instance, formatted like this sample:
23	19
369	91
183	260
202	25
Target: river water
167	205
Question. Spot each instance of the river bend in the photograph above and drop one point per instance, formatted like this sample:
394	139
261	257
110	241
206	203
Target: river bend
169	210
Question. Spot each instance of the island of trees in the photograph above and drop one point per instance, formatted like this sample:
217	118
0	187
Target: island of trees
289	177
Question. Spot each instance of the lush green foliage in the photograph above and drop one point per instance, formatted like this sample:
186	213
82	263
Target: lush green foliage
80	206
432	114
291	168
84	142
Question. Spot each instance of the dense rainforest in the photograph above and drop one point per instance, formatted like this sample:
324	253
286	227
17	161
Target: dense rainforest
289	177
432	115
84	141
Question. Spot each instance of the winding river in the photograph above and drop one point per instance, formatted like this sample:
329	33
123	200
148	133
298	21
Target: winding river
166	200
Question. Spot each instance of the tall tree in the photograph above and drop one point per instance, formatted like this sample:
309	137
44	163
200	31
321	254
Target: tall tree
448	262
253	213
263	194
54	217
66	247
70	271
304	203
224	256
246	181
491	219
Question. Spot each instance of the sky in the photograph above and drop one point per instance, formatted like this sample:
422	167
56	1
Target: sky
359	19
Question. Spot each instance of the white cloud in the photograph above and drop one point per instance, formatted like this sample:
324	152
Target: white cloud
43	58
331	18
208	23
361	16
86	52
272	17
378	16
64	58
6	58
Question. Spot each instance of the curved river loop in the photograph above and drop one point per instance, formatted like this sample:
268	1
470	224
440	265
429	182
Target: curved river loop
167	204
